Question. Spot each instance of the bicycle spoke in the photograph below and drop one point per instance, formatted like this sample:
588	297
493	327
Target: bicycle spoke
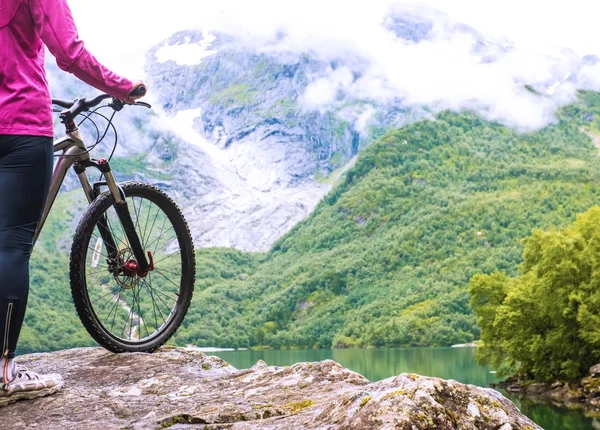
154	308
126	243
94	249
171	265
103	269
106	268
154	303
115	307
125	325
167	243
159	272
131	309
159	237
109	300
137	214
146	224
152	227
159	294
168	256
162	269
140	315
96	283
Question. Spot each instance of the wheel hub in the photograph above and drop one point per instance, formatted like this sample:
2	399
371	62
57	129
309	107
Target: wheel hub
130	272
131	269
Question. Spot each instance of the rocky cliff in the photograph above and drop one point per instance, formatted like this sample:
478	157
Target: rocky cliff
249	134
273	154
180	389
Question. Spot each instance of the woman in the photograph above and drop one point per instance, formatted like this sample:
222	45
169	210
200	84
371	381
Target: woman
26	158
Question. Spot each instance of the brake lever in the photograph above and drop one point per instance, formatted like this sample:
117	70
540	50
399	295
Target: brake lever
116	104
144	104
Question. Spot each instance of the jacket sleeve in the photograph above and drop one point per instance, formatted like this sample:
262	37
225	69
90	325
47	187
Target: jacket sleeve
54	23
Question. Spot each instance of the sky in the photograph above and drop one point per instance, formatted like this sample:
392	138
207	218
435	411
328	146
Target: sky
533	24
443	73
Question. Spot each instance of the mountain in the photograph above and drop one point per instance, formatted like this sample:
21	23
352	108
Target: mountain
385	258
272	157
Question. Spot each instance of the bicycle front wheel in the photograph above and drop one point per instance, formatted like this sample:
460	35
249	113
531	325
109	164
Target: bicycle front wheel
122	309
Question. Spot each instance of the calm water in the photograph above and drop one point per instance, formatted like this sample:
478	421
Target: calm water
447	363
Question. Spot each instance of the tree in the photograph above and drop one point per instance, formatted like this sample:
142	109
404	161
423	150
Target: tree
545	322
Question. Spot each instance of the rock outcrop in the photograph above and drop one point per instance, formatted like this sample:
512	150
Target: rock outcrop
582	393
178	389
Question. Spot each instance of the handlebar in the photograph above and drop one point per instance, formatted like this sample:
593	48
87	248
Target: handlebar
80	105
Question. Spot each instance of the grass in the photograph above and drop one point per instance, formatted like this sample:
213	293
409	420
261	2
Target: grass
236	94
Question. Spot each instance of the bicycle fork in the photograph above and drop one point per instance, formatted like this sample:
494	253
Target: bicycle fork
141	266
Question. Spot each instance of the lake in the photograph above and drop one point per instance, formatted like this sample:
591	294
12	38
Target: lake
448	363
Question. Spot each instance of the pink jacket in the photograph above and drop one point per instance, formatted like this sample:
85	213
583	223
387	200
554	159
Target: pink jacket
25	27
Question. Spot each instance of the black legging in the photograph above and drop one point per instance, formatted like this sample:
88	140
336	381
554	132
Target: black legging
25	173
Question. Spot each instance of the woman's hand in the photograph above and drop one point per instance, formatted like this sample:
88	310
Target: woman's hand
131	99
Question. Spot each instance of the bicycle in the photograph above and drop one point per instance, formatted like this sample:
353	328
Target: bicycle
131	283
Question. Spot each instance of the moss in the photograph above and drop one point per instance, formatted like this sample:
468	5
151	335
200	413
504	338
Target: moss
394	393
130	165
340	128
268	405
592	384
296	407
261	67
365	400
180	419
240	94
280	109
451	417
336	159
206	366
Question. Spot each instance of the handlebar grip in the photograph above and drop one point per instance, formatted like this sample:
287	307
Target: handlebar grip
62	103
140	91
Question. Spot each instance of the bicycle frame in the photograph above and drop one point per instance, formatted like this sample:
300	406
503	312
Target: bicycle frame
75	154
73	149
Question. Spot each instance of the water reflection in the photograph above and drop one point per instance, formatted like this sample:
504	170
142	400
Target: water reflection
553	417
448	363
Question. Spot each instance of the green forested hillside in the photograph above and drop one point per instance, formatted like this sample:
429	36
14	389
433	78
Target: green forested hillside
386	257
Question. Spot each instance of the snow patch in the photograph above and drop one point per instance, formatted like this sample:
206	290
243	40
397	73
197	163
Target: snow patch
182	124
187	54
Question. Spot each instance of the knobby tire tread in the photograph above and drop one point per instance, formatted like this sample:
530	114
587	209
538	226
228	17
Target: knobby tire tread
77	264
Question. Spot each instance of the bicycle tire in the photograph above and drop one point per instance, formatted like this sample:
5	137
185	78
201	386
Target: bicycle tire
80	252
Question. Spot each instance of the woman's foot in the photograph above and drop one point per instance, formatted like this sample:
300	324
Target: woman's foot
28	385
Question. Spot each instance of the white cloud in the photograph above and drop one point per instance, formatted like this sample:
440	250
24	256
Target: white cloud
323	90
443	73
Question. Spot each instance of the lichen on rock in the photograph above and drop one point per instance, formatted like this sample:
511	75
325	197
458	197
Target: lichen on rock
180	388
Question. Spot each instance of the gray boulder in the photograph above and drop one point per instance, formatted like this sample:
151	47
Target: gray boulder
180	389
